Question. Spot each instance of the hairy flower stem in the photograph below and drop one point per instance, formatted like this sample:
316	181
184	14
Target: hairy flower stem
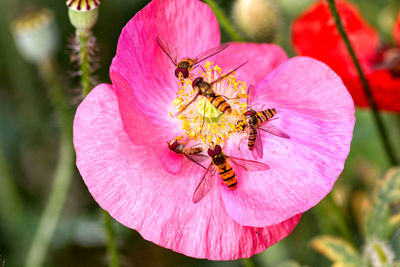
84	60
378	119
224	21
64	169
87	85
111	244
393	6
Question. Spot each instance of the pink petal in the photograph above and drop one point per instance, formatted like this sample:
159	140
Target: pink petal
147	130
171	161
262	59
316	111
129	183
187	24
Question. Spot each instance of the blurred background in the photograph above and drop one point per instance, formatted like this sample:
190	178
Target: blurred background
29	146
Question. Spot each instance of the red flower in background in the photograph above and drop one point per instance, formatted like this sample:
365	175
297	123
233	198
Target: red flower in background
314	34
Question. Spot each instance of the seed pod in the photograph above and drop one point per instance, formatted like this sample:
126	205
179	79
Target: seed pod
36	35
258	19
83	14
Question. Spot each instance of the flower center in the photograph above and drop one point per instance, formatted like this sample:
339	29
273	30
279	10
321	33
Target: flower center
388	58
206	118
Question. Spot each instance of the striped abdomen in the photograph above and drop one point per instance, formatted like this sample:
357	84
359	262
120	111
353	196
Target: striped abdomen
265	115
219	102
227	175
252	138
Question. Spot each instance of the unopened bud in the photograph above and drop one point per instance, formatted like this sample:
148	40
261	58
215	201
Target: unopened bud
36	35
83	14
258	19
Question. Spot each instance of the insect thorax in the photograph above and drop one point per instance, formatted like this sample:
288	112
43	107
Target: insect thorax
251	120
185	63
180	148
219	159
205	89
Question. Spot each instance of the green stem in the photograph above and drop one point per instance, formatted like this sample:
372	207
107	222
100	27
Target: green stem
248	262
84	60
111	243
394	6
378	119
10	199
224	21
87	85
341	221
63	173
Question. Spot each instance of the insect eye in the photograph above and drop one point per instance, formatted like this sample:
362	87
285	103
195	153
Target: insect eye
183	71
213	152
173	144
249	113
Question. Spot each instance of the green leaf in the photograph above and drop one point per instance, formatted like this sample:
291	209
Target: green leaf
389	190
337	250
377	220
394	222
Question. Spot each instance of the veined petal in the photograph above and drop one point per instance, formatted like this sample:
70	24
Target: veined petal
316	111
189	25
128	182
262	59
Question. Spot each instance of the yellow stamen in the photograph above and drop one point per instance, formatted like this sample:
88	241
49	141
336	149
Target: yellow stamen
202	120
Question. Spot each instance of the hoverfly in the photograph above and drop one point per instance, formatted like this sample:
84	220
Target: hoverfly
192	153
252	124
185	65
205	89
222	163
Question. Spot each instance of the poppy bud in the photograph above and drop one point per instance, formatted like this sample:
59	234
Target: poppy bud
83	14
36	35
258	19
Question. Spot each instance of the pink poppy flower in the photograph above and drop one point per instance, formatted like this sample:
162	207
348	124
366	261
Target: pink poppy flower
121	133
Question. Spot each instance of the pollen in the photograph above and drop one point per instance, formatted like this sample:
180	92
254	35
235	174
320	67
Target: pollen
201	119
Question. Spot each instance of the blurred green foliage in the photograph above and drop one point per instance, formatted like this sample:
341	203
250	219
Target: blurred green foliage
379	226
29	144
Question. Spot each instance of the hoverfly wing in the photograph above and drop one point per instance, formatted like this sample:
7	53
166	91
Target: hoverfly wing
197	158
168	49
249	165
258	150
227	74
206	183
251	90
191	101
272	129
209	53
